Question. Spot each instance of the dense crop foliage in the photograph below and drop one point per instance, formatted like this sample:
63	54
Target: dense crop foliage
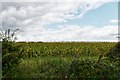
66	60
70	49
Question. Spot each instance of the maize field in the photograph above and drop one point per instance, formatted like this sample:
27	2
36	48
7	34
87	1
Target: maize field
62	60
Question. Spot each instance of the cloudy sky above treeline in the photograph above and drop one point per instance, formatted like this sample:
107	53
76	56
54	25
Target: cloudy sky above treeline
73	20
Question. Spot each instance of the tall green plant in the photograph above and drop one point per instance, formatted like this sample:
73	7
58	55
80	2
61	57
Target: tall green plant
8	36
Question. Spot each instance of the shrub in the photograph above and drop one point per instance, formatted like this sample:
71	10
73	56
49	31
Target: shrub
114	53
91	69
10	52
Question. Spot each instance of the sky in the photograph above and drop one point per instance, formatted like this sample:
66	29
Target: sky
74	20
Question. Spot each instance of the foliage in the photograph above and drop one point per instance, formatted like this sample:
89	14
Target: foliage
91	69
10	52
114	53
7	36
62	68
66	49
61	60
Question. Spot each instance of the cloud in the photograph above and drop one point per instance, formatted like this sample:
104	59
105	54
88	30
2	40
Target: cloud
75	33
30	18
115	21
17	14
57	0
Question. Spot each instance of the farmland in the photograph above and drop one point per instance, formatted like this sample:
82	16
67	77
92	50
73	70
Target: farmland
65	49
62	60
